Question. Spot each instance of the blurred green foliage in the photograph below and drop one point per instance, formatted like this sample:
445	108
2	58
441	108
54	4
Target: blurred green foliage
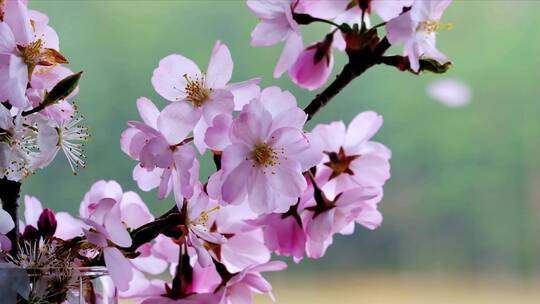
465	187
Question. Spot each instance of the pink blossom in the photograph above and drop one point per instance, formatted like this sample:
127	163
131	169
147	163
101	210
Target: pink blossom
277	24
239	289
26	41
177	78
106	209
104	224
67	228
166	161
352	158
314	65
416	29
264	161
197	222
244	246
450	92
321	221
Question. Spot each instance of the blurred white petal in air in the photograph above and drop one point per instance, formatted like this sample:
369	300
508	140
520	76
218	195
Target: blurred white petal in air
450	92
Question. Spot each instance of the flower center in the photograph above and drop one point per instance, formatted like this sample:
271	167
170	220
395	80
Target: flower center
203	217
340	162
431	26
264	155
196	90
32	52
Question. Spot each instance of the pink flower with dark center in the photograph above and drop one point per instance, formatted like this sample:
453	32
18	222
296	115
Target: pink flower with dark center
177	78
352	158
417	28
322	217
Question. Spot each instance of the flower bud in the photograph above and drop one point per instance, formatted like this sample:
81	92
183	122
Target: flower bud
47	223
30	234
314	65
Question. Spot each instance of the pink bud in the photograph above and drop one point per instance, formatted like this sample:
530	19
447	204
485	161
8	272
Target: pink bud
313	66
30	233
47	223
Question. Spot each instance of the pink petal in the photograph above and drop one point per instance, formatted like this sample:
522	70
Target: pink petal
119	267
18	19
244	92
321	227
134	212
176	121
220	68
450	92
148	111
217	136
332	135
234	185
147	180
6	222
32	210
269	32
7	41
168	78
68	226
243	250
115	227
400	29
362	128
252	126
220	102
292	49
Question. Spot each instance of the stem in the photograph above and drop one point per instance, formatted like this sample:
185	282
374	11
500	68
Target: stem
359	62
177	280
9	195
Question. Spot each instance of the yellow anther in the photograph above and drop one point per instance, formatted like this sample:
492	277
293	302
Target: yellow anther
432	26
264	155
196	90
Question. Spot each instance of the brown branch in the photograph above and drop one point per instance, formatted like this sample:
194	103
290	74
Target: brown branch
9	195
359	62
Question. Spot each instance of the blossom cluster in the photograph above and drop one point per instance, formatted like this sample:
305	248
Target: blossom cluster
411	23
280	190
36	118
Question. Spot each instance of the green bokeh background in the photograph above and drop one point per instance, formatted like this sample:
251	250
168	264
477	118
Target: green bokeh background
465	189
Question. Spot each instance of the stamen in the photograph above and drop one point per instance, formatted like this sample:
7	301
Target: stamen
196	90
203	217
71	139
264	155
431	26
31	53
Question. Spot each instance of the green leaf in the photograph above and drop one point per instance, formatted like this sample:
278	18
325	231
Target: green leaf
62	89
433	66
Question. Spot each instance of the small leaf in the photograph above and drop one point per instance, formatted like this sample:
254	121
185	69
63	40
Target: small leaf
62	89
433	66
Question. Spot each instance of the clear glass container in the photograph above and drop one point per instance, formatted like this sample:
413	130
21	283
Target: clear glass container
83	285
